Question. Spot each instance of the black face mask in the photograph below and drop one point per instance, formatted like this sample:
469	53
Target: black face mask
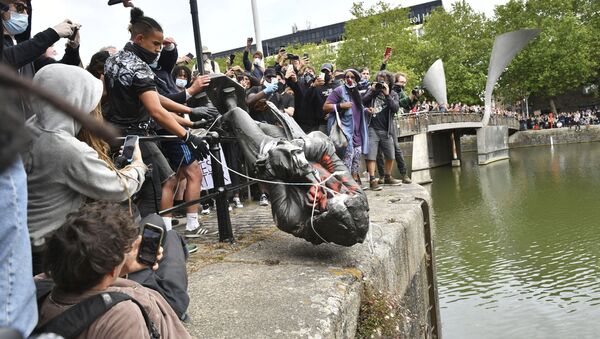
398	88
308	78
146	56
327	78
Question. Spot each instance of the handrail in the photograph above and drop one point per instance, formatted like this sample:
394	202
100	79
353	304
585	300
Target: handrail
419	122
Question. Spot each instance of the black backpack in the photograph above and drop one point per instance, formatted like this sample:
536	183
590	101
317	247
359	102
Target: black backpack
79	317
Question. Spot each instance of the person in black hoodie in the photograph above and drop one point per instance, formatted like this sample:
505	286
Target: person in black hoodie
312	117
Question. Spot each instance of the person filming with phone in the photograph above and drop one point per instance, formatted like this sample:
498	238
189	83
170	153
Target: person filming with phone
87	258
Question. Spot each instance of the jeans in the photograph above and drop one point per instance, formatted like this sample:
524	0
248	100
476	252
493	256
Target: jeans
18	305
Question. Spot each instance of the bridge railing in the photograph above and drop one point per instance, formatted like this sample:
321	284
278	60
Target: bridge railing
418	122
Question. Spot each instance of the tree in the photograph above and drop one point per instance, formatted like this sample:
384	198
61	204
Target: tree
370	32
463	40
560	59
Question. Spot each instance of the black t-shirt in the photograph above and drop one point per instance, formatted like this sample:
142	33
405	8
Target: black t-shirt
381	119
126	76
282	100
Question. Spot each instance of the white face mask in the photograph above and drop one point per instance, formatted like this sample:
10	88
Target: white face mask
17	23
257	61
181	83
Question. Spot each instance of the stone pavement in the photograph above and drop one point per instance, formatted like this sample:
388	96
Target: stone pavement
273	285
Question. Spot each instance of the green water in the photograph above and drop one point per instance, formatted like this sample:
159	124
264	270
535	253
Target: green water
518	244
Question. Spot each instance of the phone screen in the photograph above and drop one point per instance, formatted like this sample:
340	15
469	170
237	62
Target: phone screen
151	239
322	76
129	147
190	55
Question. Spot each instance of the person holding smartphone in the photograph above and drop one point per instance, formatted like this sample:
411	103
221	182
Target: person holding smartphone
79	273
257	66
67	165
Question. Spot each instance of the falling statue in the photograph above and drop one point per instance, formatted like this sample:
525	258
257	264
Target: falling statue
312	193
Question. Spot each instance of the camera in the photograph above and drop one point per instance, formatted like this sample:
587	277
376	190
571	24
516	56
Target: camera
379	85
418	91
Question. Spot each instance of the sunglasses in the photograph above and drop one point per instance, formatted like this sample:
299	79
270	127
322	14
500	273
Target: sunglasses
21	7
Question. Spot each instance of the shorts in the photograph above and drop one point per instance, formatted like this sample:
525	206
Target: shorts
379	139
152	155
178	154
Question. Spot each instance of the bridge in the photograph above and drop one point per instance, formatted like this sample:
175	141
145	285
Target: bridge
436	138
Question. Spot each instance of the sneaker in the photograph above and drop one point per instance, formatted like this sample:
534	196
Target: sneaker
197	233
205	210
374	185
264	201
381	181
230	208
191	248
391	181
237	203
406	179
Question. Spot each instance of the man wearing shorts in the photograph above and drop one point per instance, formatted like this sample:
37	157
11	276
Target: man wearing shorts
382	105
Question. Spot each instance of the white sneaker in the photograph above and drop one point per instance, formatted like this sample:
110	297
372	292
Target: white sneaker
205	211
237	203
264	201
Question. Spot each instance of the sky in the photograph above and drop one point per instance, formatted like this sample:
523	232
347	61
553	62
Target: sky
224	24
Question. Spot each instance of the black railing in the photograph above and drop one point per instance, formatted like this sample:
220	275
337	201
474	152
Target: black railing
220	189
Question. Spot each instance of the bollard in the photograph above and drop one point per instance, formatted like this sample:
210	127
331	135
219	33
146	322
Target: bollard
223	218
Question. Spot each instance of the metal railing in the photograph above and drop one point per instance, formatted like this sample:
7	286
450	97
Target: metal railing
418	122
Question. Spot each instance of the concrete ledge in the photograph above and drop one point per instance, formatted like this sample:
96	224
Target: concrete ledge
286	287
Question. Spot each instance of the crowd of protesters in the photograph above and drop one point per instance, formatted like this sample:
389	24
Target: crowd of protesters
78	205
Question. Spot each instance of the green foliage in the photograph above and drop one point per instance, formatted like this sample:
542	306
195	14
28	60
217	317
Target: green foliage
563	57
372	30
318	54
463	40
237	61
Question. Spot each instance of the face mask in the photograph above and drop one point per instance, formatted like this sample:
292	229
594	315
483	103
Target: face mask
181	83
308	78
257	61
17	23
204	57
146	56
327	78
350	83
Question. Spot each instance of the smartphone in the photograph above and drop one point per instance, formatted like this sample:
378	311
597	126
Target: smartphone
250	39
152	236
129	147
305	55
231	57
190	55
322	76
114	2
388	52
75	30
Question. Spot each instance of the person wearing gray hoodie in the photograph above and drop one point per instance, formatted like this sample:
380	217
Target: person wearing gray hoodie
62	171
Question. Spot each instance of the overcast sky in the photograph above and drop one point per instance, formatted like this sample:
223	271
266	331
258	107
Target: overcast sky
224	24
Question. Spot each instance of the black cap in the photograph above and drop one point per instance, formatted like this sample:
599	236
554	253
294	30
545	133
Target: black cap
269	72
293	56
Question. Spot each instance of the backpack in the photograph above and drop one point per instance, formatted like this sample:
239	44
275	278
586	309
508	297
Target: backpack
79	317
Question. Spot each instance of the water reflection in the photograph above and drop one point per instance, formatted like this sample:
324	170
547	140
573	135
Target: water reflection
518	244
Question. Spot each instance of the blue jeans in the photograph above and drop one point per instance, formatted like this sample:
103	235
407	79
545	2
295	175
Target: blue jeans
18	305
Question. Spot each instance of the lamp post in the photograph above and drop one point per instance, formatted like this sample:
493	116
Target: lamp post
256	26
197	38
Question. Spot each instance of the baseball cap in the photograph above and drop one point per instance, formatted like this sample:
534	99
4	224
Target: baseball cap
327	66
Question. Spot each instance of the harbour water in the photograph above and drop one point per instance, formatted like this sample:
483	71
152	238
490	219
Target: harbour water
518	244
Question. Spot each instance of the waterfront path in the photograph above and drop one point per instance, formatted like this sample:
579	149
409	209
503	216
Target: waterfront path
271	284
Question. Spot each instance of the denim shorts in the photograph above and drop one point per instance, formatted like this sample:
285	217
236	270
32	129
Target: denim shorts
380	139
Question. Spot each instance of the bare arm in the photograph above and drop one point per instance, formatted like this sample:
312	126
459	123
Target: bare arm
151	102
172	106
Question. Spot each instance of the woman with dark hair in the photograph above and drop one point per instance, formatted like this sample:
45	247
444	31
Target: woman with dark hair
133	100
346	102
182	76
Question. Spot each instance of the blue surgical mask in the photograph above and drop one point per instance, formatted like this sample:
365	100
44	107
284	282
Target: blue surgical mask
181	83
17	23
